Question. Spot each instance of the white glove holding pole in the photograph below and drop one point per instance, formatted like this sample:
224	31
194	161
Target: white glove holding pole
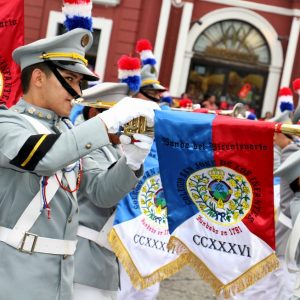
136	149
126	110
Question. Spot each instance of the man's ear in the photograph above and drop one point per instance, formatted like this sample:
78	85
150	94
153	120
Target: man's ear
93	112
37	77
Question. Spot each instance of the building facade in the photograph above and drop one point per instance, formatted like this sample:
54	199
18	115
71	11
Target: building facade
241	51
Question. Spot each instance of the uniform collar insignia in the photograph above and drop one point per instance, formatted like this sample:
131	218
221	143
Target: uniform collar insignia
35	111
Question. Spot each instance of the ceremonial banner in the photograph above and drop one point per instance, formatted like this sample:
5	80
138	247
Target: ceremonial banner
12	36
218	177
140	233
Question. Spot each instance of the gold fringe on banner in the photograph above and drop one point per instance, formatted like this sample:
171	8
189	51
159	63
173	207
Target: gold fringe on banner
139	281
203	271
239	284
252	275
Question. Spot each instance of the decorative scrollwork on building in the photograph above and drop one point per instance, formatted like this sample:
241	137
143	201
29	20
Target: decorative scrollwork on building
233	40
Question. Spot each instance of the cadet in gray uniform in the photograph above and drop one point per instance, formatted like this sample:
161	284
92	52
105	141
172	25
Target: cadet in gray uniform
290	172
43	163
96	266
285	280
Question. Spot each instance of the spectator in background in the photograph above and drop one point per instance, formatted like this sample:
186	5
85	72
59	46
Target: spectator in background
209	102
268	116
185	96
185	101
224	105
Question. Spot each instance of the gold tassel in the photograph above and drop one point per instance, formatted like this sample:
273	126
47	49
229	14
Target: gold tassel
245	280
139	281
203	271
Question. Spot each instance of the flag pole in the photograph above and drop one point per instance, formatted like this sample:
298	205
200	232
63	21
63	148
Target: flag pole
139	125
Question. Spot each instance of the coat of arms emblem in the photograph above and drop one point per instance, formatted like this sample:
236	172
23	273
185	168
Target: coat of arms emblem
223	195
153	203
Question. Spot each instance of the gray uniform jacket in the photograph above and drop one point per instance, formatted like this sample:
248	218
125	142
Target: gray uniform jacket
286	196
47	276
94	265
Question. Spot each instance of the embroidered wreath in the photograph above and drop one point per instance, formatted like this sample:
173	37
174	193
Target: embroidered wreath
223	201
152	201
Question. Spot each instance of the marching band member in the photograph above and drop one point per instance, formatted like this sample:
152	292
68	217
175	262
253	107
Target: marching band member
289	173
96	266
150	90
44	164
288	145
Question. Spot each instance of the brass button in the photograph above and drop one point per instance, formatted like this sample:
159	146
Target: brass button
49	117
40	114
31	110
70	220
88	146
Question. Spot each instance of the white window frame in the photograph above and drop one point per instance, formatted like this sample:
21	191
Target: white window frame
105	25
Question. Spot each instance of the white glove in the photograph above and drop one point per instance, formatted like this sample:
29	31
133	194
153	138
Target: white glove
136	151
126	110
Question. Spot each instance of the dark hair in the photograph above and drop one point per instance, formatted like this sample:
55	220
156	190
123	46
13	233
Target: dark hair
206	96
289	136
295	185
86	110
27	73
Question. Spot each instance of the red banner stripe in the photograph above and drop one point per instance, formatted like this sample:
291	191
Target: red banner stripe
255	165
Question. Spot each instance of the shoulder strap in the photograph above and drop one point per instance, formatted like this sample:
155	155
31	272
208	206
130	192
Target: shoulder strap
32	212
39	127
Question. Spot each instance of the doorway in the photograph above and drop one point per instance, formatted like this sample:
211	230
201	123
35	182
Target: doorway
228	82
231	59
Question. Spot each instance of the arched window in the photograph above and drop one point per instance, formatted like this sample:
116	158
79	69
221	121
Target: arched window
231	60
234	40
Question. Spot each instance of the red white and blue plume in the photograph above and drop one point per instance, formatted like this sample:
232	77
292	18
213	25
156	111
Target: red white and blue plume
166	97
296	85
144	49
129	72
78	14
250	115
286	99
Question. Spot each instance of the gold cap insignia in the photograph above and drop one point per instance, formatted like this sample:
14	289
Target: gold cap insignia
85	40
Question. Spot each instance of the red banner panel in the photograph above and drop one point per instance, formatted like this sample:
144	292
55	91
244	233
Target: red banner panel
12	36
